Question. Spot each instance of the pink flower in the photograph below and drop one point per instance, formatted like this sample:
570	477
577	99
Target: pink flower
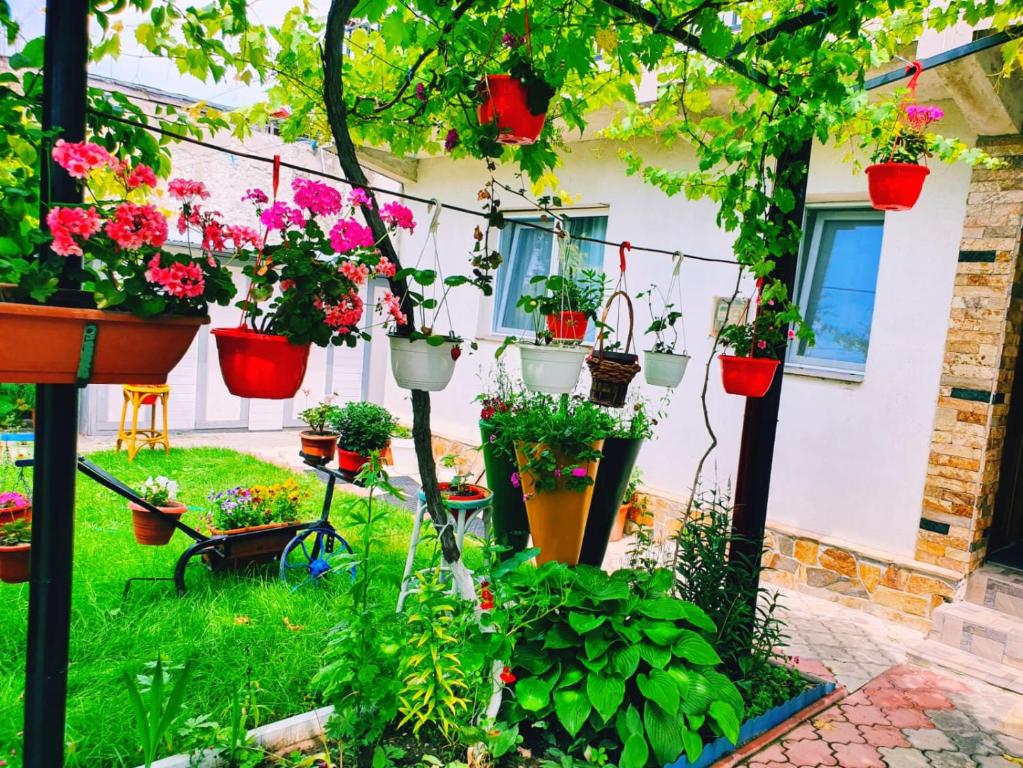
256	196
386	268
920	116
395	214
557	473
792	334
451	140
183	281
186	189
320	199
421	92
242	236
761	344
348	234
359	197
346	314
65	223
578	471
354	271
287	285
392	305
516	481
134	226
141	176
281	216
78	158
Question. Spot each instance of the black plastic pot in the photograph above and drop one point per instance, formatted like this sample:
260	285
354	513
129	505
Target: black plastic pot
507	509
620	454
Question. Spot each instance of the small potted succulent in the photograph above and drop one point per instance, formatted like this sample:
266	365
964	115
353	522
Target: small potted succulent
362	429
15	551
896	178
459	488
320	440
662	366
515	103
14	506
152	529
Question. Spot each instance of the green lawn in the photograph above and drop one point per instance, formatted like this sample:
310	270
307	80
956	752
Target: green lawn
230	626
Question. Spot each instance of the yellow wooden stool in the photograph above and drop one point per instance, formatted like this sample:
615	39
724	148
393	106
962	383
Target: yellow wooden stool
137	396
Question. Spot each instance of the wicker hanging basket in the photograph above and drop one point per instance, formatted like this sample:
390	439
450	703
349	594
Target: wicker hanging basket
612	372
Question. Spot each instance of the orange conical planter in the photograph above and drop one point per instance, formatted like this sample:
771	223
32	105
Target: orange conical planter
557	519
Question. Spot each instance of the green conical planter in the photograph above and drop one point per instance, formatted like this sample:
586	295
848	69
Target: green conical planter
508	510
620	454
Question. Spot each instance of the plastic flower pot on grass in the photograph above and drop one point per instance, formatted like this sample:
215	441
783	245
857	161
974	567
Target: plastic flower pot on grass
417	364
747	376
612	480
14	563
507	509
664	369
557	518
567	326
322	446
260	365
151	529
551	369
895	186
505	105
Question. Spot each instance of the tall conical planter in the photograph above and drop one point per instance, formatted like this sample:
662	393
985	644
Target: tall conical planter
557	518
508	519
620	454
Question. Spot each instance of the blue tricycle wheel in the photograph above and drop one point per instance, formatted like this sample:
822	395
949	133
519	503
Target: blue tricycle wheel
313	555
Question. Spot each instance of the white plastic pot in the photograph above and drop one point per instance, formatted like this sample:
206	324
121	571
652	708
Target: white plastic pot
551	369
418	365
664	369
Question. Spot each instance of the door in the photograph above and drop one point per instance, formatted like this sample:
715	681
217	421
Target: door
1005	543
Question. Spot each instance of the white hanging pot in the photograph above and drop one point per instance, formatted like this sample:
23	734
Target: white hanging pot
418	365
664	369
551	369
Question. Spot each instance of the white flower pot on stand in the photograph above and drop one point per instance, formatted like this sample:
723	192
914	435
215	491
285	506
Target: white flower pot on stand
664	369
551	369
418	365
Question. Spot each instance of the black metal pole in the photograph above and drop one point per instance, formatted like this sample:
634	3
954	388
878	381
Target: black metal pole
53	495
760	424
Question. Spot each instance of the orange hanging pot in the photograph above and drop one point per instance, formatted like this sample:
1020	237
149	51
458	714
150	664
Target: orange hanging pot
260	365
505	105
895	186
747	376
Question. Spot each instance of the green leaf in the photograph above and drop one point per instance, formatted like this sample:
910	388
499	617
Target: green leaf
693	745
584	623
662	632
696	616
29	57
660	687
606	694
726	718
662	608
664	732
635	753
693	648
532	694
572	708
504	742
597	645
624	661
654	655
560	636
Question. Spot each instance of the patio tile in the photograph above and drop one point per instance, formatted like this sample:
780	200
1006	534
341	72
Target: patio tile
810	754
929	699
908	718
903	757
995	761
885	736
858	756
950	760
840	732
931	739
865	715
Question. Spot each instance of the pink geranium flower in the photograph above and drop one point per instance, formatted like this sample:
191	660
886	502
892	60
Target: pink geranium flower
66	223
281	216
392	305
348	234
256	196
317	197
140	176
397	215
183	281
135	226
578	471
385	267
354	271
80	157
186	189
345	315
358	197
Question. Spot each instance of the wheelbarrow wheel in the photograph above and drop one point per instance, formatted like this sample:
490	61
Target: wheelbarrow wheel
314	555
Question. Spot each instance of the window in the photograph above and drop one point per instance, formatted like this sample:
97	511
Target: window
529	252
837	284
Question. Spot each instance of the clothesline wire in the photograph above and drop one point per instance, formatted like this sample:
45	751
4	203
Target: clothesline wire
380	190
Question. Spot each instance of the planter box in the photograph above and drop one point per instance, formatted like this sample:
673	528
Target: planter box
264	546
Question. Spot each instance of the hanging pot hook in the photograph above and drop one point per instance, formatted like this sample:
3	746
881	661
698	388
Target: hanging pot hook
678	257
625	246
434	206
914	68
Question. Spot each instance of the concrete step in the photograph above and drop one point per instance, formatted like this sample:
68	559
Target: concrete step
934	653
998	588
984	632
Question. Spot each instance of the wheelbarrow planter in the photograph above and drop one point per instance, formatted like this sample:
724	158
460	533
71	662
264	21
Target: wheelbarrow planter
243	549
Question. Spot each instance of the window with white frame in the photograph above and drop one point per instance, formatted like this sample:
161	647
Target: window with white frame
837	283
529	252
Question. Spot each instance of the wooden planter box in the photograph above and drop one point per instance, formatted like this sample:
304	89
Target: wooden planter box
254	545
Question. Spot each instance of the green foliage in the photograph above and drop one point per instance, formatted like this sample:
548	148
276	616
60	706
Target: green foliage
633	422
572	291
663	316
15	532
363	427
319	416
156	709
614	660
16	404
765	336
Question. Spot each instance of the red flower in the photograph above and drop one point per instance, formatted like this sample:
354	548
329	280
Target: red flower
507	677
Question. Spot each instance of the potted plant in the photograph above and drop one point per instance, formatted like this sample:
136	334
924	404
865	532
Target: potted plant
758	347
362	429
304	288
319	441
150	528
612	369
14	506
261	507
897	175
662	367
459	488
142	305
557	449
15	551
611	485
568	302
515	104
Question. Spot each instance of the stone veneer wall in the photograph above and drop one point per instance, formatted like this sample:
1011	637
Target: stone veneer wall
980	358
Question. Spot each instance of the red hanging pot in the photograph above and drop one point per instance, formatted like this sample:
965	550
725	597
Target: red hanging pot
895	186
260	365
505	104
747	376
567	326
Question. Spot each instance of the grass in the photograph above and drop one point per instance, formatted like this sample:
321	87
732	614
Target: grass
231	627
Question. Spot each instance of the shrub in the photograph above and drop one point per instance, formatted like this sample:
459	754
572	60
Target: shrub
16	532
363	427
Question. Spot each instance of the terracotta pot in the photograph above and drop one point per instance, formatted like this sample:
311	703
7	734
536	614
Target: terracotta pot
505	104
10	514
618	529
152	530
895	186
475	493
127	349
747	376
317	444
260	365
557	519
350	461
14	563
387	455
567	326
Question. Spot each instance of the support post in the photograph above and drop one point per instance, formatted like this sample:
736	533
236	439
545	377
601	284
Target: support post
53	502
760	424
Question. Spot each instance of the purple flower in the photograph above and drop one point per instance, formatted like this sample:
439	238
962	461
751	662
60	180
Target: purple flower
511	40
493	438
578	471
451	140
557	473
421	92
516	483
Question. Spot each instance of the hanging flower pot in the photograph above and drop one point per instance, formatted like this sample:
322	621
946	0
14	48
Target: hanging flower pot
551	369
152	529
260	365
567	326
350	461
664	369
417	364
505	105
319	445
895	186
747	376
612	372
125	349
14	506
557	518
14	563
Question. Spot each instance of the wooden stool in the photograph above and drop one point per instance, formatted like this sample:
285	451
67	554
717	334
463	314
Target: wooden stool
138	395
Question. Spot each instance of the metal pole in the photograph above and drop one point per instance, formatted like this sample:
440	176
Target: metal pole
53	501
756	453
